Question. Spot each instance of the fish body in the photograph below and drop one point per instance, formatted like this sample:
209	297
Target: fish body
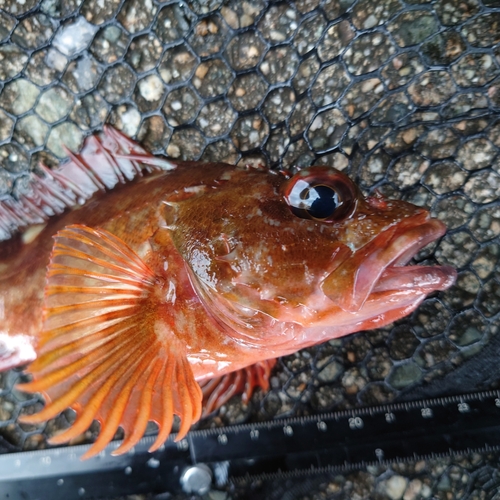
131	298
133	213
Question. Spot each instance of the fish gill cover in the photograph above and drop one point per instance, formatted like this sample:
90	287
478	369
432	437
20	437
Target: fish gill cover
402	96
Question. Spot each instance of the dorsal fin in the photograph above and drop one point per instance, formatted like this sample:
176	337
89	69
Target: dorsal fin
105	160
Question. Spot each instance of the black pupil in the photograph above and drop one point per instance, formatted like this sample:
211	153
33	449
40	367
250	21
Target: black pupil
322	201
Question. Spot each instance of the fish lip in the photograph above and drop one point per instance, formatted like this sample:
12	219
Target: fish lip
379	270
399	276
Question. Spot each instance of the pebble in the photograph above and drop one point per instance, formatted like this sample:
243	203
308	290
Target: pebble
476	154
413	490
411	28
368	53
6	126
19	96
56	60
82	74
33	128
404	375
151	88
12	61
432	88
352	381
54	104
74	37
330	372
67	134
7	23
33	31
176	105
5	182
395	487
173	151
17	7
445	177
128	120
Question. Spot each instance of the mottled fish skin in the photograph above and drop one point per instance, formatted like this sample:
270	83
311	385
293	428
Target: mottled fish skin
201	272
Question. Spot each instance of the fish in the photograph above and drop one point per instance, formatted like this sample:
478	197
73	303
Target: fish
140	288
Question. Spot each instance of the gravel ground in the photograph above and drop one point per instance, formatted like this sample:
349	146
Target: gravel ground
404	96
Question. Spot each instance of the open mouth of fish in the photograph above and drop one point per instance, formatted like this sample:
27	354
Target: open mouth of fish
379	270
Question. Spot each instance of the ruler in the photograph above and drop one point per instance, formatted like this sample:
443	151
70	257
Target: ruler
335	441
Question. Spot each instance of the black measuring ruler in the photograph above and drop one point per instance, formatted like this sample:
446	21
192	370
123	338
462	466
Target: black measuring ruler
341	440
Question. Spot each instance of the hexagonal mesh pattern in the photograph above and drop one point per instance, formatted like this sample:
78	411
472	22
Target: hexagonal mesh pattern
404	96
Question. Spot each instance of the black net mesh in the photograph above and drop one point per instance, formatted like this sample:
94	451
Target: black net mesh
402	95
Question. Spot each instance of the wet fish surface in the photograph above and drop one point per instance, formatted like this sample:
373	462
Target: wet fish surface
140	288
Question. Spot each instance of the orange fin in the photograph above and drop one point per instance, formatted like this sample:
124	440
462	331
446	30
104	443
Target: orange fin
220	390
104	350
104	161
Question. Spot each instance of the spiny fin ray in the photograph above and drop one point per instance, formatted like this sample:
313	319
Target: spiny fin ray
105	160
220	390
109	362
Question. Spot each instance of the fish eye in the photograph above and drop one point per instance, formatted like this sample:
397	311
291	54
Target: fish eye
320	201
320	193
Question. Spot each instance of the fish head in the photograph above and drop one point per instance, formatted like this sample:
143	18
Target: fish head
266	250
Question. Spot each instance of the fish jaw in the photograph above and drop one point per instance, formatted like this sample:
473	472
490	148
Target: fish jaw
374	314
379	268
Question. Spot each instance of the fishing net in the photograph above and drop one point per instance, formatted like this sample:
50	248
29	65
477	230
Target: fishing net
403	96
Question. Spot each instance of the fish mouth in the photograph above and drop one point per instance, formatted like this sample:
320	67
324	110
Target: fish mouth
379	270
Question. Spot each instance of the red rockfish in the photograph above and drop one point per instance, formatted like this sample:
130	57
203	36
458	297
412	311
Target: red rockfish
140	288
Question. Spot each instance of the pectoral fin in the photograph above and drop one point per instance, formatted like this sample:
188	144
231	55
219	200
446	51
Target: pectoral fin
104	349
